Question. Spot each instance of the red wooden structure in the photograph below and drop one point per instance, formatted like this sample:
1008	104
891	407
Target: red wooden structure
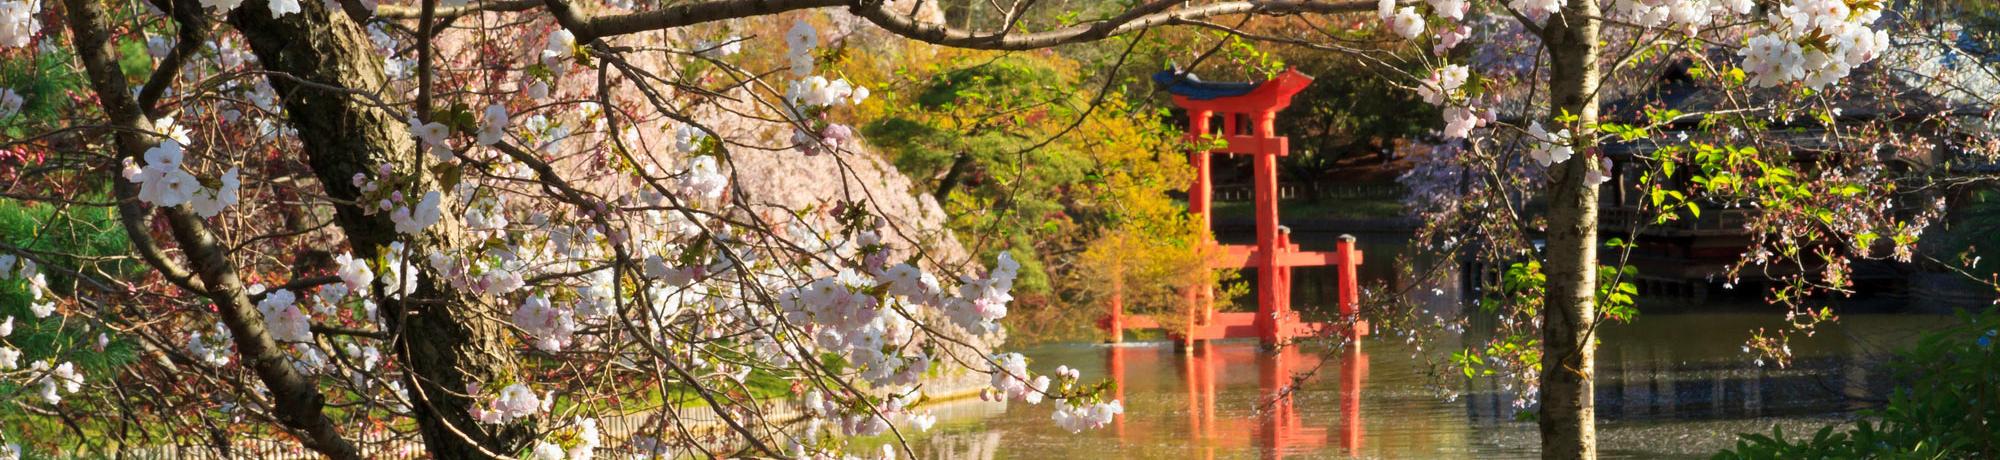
1248	113
1277	430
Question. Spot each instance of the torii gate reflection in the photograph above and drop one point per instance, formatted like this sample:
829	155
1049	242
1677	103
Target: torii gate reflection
1278	428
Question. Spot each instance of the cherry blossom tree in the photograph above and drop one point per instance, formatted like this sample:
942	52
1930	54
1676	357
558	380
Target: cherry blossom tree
491	226
1537	95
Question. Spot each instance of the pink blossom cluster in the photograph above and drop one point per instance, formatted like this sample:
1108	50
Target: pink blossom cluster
983	301
591	239
1688	16
282	317
808	98
1086	416
513	402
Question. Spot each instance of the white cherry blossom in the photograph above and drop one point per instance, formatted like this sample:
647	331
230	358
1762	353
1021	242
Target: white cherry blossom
1816	42
801	37
283	319
1451	9
167	155
1548	148
545	450
550	327
211	348
63	376
513	402
493	126
1536	10
687	138
1444	83
703	181
800	41
1079	417
434	135
18	24
539	90
172	188
413	220
560	45
1010	375
1599	174
1407	23
1459	122
10	103
354	272
210	202
1770	61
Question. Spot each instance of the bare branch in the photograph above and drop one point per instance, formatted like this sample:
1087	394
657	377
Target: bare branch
1145	16
299	401
1151	14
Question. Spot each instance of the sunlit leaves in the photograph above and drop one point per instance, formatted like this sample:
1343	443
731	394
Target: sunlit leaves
1616	294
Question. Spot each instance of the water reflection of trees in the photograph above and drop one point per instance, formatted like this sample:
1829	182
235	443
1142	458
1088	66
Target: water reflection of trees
1660	378
980	445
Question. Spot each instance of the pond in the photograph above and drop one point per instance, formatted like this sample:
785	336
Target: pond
1674	383
1670	385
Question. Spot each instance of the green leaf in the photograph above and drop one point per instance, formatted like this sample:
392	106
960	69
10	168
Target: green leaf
447	174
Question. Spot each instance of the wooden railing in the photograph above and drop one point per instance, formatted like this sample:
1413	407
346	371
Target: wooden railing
1713	222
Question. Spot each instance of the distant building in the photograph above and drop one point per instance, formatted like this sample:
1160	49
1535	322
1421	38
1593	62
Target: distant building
1688	257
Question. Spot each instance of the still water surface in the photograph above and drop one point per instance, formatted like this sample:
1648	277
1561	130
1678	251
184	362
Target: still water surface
1669	385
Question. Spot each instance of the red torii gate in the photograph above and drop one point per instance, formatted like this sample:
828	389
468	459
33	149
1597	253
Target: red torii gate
1255	104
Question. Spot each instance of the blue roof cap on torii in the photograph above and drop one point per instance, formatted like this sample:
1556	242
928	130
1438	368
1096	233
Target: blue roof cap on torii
1191	92
1188	85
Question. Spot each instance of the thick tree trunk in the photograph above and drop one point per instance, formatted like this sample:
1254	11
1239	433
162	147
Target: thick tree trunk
1568	414
328	65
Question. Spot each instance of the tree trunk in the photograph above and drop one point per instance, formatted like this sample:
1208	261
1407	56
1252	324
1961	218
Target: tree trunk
959	163
441	338
299	406
1568	414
